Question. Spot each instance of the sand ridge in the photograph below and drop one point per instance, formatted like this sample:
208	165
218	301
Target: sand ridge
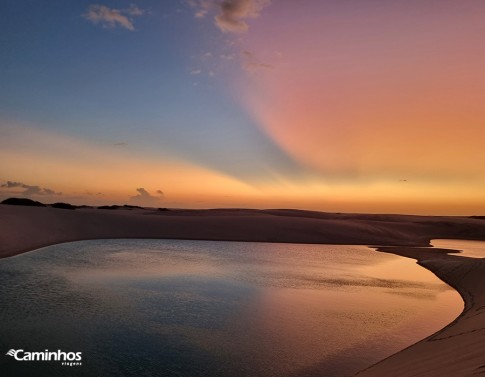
27	228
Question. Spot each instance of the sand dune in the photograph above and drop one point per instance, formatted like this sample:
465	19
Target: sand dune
457	350
27	228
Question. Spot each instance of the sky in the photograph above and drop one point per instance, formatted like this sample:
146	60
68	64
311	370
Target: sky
344	106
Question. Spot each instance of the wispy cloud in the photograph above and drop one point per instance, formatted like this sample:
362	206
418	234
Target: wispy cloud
133	10
145	198
202	7
30	190
111	17
251	63
89	193
231	15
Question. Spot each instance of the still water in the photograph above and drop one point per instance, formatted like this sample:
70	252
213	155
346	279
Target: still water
201	308
468	248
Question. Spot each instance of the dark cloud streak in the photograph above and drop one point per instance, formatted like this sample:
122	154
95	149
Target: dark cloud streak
30	189
145	198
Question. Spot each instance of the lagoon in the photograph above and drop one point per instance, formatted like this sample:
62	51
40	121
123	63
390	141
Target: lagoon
206	308
468	248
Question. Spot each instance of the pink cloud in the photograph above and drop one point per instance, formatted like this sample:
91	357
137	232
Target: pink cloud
111	17
231	15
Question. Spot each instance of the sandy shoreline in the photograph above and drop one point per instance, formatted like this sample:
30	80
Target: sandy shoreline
456	350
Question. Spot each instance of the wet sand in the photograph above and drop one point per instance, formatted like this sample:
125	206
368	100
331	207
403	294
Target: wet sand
456	350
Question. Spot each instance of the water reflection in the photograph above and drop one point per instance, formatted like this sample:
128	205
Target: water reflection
199	308
472	249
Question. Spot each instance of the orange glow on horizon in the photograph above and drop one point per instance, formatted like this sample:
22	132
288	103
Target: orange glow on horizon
93	174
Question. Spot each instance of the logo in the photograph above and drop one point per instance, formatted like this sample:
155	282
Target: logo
66	358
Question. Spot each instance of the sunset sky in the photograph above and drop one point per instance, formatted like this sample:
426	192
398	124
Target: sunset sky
343	105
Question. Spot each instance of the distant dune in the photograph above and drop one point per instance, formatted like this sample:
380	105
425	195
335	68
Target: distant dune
24	228
454	351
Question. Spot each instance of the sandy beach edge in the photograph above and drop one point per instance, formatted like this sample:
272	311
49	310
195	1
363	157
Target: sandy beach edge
455	350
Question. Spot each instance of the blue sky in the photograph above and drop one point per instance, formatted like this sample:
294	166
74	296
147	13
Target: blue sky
358	105
150	87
